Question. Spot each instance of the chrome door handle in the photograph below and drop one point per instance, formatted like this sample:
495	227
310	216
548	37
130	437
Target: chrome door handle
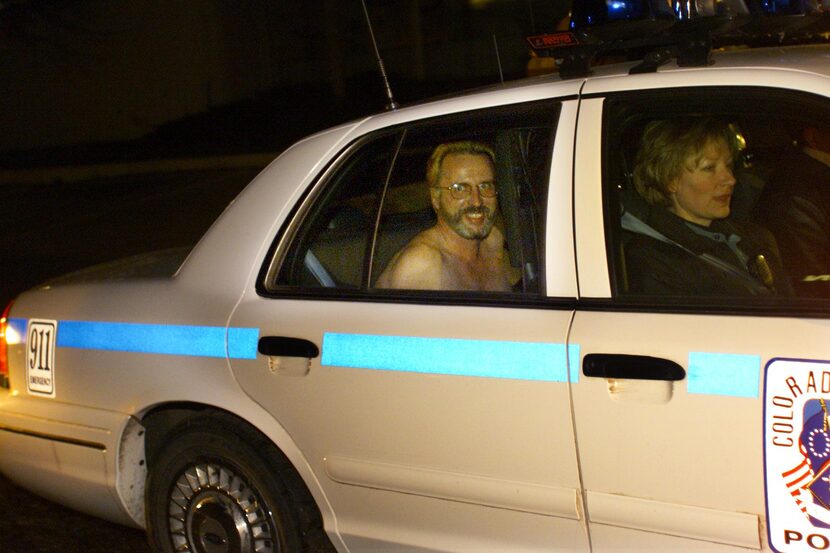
284	346
634	367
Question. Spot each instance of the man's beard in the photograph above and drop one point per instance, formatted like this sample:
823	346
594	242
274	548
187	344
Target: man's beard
457	223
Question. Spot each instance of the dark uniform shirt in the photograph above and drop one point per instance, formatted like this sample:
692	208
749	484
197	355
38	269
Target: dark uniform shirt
724	259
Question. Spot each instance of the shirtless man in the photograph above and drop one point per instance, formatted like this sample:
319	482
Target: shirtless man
463	251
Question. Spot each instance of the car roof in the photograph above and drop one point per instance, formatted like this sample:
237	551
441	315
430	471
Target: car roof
810	58
806	58
814	58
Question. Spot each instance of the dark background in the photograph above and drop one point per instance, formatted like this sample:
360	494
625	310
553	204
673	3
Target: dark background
101	80
29	524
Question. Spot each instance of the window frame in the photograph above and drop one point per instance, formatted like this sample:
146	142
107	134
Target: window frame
678	97
305	207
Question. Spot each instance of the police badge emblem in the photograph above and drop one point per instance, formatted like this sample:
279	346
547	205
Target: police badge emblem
797	454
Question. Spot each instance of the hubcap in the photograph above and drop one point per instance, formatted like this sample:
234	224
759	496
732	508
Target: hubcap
213	510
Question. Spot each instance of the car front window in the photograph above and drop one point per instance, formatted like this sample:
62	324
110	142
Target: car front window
719	193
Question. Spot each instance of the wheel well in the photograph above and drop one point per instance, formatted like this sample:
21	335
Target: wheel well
140	441
161	420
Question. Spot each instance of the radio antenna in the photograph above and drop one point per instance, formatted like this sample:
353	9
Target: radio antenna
392	104
498	58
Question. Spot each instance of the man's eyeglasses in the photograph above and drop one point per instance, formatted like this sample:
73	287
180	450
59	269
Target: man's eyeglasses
463	190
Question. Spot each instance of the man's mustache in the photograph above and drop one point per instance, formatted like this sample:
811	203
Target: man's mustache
475	210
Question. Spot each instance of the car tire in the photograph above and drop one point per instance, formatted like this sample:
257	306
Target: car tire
218	486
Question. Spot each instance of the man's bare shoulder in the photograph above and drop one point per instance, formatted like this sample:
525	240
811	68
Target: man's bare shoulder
416	267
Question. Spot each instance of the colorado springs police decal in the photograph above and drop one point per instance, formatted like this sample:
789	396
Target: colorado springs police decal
797	454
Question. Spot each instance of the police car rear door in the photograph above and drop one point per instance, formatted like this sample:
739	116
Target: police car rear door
431	421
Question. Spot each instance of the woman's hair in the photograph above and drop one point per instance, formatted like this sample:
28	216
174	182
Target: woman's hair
669	146
447	148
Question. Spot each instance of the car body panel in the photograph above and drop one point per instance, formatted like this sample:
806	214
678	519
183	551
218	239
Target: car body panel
560	266
242	235
123	383
433	458
55	449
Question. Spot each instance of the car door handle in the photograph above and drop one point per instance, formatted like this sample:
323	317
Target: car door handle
284	346
635	367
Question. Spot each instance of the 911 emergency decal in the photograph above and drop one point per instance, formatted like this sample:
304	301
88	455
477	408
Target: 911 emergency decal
40	357
797	454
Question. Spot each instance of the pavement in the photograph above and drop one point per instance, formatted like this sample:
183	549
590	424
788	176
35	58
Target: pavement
30	524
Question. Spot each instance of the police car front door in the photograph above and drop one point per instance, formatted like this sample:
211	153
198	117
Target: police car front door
674	461
702	423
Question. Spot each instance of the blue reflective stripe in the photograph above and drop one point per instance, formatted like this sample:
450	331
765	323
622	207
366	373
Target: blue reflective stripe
201	341
725	374
19	326
242	343
449	356
574	361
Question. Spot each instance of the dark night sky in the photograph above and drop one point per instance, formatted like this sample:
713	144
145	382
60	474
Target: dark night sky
98	79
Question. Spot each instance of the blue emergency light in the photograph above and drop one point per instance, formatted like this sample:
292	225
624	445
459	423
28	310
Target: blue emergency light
789	7
656	31
591	13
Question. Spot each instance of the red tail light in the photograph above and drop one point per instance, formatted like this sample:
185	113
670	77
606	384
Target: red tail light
4	347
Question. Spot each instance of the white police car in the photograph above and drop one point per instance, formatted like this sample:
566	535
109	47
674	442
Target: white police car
264	395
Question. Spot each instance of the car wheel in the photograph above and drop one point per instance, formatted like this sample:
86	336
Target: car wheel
219	487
